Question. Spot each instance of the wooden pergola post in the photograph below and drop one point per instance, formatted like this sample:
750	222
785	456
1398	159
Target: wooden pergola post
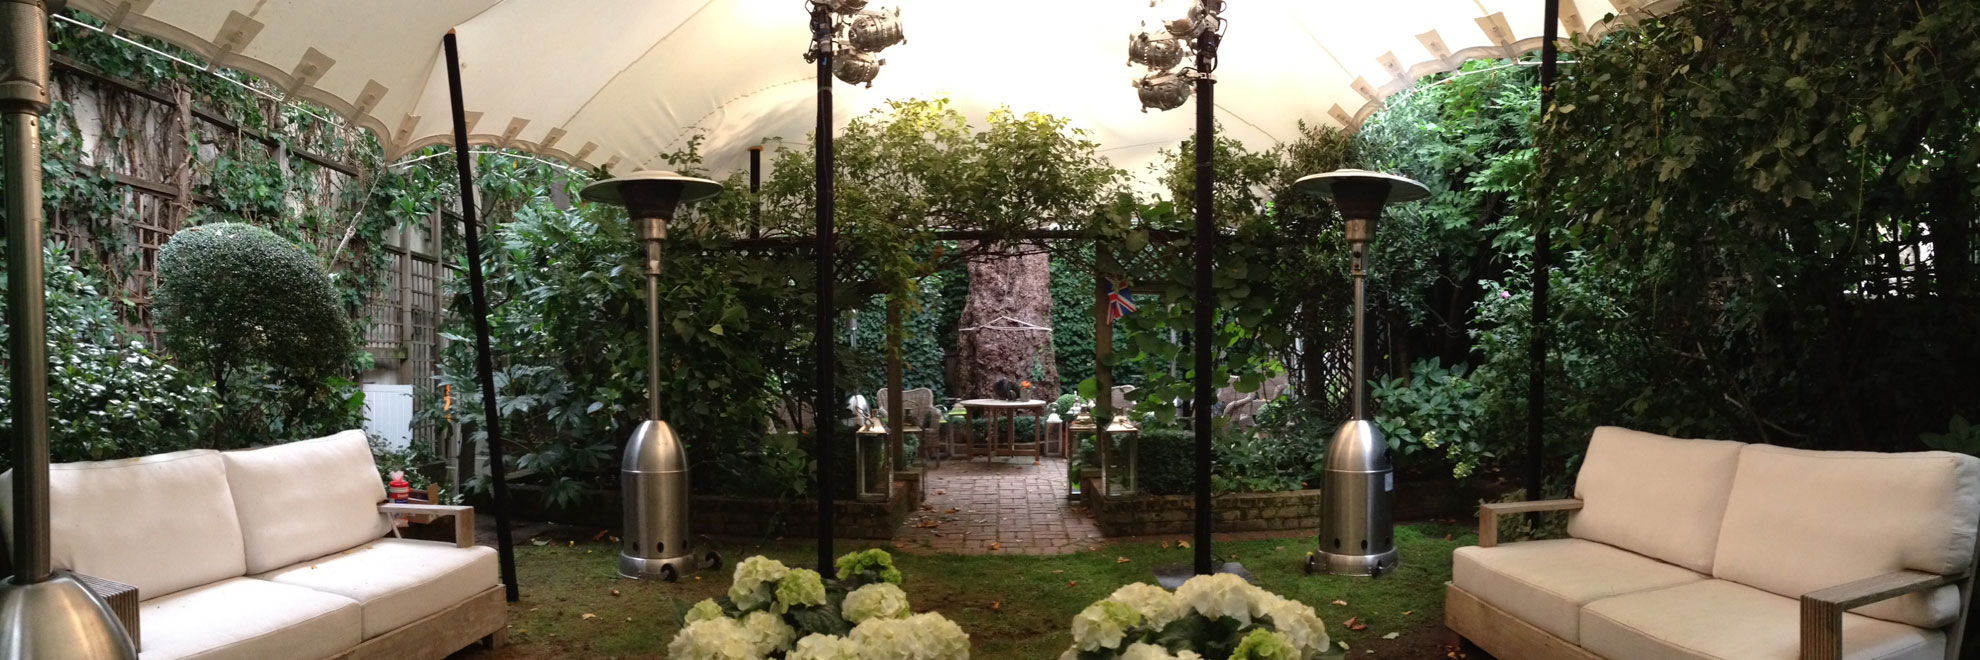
895	416
1103	352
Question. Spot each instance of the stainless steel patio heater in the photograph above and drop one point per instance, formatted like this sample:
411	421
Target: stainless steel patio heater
1357	502
44	613
654	474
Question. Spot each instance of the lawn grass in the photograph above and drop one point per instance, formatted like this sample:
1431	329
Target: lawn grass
1013	607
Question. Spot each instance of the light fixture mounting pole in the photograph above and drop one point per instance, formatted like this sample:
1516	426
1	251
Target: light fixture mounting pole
824	424
1206	247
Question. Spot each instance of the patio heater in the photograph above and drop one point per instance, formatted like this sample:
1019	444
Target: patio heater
1357	527
654	474
44	613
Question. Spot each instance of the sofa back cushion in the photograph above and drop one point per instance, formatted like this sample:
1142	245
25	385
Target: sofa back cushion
306	499
1655	496
1799	521
160	523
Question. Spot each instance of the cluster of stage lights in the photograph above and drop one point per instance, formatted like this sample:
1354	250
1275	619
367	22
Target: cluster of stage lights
1162	49
855	36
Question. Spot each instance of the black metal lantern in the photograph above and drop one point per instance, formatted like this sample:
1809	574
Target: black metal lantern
654	474
1357	527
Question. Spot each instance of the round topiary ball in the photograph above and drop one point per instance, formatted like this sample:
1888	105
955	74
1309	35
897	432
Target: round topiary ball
231	294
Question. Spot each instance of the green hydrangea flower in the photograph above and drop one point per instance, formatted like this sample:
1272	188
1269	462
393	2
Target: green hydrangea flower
853	564
1264	644
799	587
706	610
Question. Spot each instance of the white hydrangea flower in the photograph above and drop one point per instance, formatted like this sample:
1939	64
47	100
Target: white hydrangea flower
714	639
824	647
770	632
1103	624
925	636
755	582
1157	606
1218	596
706	610
877	600
1299	623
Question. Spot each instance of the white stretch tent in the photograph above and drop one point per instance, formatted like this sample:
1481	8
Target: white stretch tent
615	83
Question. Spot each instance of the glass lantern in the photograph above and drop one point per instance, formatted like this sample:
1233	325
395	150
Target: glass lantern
1076	431
1120	452
875	471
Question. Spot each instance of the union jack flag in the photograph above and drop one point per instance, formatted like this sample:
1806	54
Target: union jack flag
1120	300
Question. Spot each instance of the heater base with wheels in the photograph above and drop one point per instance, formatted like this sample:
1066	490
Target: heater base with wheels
1356	565
60	618
668	569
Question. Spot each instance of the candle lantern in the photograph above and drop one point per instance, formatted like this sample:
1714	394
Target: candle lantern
875	469
1357	528
654	474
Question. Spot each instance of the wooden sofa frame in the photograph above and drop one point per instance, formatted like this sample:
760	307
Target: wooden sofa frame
483	617
1506	636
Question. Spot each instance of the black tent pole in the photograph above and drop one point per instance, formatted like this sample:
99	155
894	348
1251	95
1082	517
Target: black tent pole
825	422
1206	247
483	354
1536	396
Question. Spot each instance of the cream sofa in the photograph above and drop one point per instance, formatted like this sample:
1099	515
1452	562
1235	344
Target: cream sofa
270	553
1706	549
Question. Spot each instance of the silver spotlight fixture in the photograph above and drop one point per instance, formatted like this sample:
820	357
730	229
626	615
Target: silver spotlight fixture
1357	528
856	67
654	474
1155	50
873	31
1163	91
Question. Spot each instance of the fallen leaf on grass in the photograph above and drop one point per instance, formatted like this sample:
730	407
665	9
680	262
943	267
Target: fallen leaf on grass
1353	624
1406	612
1165	545
1072	583
1182	544
1122	560
1392	635
600	536
1447	537
1340	603
615	593
996	606
589	616
538	542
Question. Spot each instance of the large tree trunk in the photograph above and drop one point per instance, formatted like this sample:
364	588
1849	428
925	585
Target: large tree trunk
1004	294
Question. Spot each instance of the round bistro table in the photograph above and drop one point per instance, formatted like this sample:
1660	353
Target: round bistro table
991	409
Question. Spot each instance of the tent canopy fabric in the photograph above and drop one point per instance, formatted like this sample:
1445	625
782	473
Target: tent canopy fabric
617	83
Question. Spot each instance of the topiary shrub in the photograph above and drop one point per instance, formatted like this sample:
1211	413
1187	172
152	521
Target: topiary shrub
108	395
242	304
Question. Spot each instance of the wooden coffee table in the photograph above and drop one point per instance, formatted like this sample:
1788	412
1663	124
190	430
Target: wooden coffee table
991	409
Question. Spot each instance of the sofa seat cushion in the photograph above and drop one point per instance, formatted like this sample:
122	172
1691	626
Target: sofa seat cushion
251	620
397	581
1545	583
1799	521
1720	620
159	523
1655	496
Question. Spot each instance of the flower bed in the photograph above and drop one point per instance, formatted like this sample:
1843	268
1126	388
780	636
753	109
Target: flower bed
1210	616
774	611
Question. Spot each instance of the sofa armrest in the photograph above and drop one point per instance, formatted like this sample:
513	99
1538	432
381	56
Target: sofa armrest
1488	515
1822	611
463	517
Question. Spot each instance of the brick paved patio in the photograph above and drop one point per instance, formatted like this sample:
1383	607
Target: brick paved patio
1008	506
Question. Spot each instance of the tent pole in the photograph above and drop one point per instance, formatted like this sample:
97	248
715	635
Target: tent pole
483	354
1536	396
825	425
1206	246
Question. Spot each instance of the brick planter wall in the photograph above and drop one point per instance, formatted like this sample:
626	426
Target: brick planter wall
1139	515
